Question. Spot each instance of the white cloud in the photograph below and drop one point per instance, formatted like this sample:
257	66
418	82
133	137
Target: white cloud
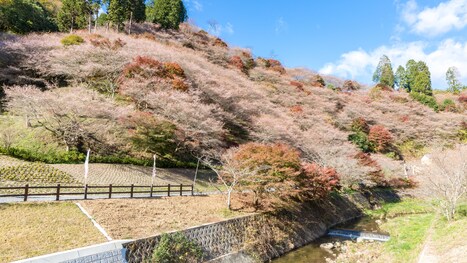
216	29
229	29
360	64
281	25
435	21
195	4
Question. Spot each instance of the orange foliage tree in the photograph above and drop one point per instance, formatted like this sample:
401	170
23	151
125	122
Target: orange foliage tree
280	174
380	137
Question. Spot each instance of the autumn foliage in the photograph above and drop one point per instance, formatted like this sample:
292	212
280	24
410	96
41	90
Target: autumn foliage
147	68
281	175
380	137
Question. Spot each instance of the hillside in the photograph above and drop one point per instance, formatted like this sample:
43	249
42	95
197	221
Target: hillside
184	94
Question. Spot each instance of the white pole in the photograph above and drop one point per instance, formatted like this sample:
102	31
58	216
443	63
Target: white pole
86	168
153	171
196	173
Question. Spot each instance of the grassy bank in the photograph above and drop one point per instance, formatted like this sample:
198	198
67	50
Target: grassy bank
412	224
33	229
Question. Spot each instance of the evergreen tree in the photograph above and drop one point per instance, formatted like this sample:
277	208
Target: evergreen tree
117	12
419	77
383	73
452	75
169	13
23	16
136	9
400	79
73	14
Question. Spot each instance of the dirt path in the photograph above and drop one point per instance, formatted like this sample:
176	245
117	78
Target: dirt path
428	255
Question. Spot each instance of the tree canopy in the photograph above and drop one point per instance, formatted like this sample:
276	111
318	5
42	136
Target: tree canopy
452	78
168	13
383	73
24	16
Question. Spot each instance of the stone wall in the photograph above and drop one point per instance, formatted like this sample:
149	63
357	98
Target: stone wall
267	236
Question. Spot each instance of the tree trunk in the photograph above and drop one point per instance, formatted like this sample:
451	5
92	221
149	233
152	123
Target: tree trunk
90	22
131	18
95	22
228	198
72	22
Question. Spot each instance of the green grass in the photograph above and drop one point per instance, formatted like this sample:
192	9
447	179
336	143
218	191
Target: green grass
449	235
33	229
35	173
408	234
406	206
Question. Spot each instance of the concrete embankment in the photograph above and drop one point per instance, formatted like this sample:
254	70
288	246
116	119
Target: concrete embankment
267	236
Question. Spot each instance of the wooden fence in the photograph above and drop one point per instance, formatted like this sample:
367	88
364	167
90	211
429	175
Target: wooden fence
107	190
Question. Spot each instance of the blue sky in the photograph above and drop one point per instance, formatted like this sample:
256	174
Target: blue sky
343	38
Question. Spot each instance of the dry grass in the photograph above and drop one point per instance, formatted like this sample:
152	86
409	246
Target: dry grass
33	229
137	218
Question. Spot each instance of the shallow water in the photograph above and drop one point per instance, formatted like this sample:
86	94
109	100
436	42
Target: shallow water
313	253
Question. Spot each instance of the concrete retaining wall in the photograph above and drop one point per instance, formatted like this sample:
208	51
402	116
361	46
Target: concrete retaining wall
267	236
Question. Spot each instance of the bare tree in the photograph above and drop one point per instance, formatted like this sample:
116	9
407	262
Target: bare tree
447	178
229	172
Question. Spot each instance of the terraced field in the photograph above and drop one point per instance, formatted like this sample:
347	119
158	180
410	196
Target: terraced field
14	172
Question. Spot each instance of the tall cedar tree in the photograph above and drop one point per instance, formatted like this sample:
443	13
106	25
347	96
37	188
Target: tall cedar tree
383	73
400	79
169	13
120	11
136	9
73	14
452	78
23	16
419	77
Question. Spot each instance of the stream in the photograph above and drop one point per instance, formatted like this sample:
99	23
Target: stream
314	253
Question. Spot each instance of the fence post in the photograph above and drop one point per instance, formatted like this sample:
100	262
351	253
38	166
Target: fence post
131	191
57	197
26	190
110	191
192	189
168	190
86	192
181	189
150	195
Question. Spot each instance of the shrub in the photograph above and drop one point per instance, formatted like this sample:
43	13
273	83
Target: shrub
462	133
174	70
72	40
176	248
317	81
380	137
275	65
219	43
425	100
448	105
462	98
179	84
361	140
350	85
296	109
147	68
402	183
297	84
360	125
318	181
237	62
366	160
105	43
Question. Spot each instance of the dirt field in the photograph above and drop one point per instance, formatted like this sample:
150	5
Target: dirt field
137	218
33	229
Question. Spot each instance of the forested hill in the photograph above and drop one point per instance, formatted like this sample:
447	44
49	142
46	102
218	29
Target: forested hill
183	94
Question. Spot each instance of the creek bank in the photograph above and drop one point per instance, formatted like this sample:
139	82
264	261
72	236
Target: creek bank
267	236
